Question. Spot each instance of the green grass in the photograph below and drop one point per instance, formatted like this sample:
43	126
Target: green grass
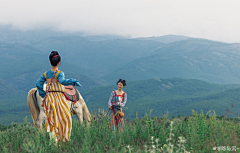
196	133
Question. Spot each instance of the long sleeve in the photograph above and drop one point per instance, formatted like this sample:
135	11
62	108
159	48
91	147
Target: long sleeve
39	85
110	99
124	100
63	81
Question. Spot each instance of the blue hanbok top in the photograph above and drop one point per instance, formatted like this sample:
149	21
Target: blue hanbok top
61	79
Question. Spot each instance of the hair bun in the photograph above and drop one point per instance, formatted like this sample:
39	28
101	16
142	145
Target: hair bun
122	81
54	58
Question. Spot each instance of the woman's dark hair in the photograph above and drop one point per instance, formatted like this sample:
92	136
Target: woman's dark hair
54	58
122	81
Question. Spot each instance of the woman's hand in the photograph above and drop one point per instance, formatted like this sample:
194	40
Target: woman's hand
110	107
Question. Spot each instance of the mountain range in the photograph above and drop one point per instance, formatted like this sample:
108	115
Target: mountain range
193	58
174	73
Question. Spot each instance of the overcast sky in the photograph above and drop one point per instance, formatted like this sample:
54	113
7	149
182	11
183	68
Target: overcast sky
211	19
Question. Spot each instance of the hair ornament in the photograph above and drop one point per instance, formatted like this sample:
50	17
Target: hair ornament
124	82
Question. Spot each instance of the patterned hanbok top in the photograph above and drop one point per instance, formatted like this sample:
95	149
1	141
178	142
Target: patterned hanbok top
49	74
117	100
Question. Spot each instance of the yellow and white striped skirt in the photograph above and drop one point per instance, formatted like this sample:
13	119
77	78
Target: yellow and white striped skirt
58	113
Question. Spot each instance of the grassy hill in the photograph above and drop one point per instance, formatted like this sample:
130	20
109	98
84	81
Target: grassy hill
162	95
192	59
9	92
220	102
13	104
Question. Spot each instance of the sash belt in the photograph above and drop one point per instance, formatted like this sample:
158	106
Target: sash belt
63	94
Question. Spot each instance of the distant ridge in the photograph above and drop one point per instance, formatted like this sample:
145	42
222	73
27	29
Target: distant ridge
165	38
101	57
202	59
9	34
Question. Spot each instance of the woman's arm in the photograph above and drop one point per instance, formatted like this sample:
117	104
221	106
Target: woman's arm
110	99
124	100
39	85
63	81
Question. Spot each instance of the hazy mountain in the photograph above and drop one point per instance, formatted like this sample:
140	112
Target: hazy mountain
193	58
101	57
11	98
11	35
7	91
17	59
105	37
22	65
165	39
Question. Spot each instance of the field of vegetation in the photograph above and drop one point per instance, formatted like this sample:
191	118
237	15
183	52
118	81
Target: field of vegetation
196	133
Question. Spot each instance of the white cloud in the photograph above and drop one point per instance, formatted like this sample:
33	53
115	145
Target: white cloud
215	19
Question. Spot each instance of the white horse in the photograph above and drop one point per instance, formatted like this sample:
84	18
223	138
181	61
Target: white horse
34	101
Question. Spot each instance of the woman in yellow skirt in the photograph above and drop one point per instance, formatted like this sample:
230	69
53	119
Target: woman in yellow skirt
59	120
